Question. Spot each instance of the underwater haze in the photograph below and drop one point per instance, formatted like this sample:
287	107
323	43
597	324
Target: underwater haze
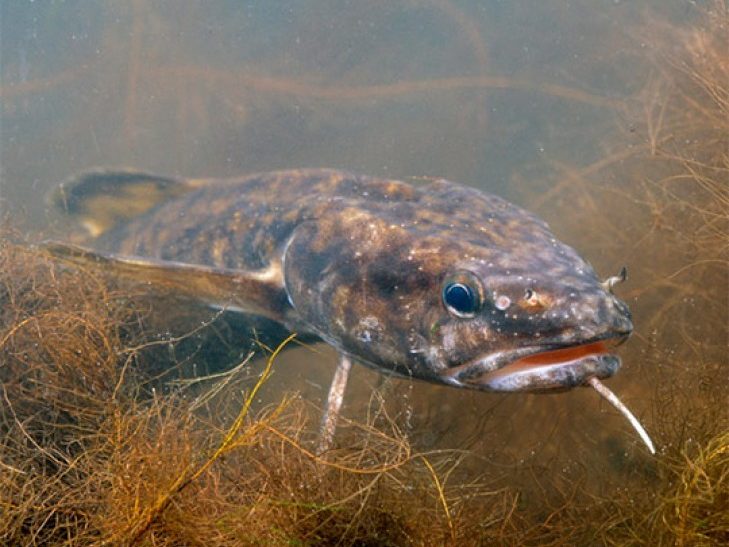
599	116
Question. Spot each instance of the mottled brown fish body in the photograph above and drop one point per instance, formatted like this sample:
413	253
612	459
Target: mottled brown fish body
437	281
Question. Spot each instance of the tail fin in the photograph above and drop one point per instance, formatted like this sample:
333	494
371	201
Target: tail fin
103	199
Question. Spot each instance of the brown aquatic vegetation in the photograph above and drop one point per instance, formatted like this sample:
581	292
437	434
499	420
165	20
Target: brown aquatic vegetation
659	201
93	453
698	509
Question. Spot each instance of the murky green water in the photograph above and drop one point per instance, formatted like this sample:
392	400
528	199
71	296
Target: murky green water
464	90
511	97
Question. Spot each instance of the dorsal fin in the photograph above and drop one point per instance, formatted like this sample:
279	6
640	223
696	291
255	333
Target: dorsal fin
101	199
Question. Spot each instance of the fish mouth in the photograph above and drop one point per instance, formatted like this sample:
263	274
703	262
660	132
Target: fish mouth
544	368
549	369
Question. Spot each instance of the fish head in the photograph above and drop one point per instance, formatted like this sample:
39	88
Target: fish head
527	330
490	301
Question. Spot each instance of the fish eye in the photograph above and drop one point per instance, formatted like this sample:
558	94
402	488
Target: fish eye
461	295
460	299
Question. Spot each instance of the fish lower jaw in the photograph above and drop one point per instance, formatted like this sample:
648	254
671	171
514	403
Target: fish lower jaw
553	376
541	371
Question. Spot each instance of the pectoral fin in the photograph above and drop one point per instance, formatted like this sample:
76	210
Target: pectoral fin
259	292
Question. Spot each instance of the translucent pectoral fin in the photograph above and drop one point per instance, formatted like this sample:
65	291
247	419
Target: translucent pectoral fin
260	291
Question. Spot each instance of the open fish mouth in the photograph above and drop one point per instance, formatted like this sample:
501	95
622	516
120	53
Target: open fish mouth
549	369
543	368
553	370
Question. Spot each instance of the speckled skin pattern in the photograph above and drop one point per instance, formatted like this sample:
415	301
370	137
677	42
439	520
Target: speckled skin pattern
363	261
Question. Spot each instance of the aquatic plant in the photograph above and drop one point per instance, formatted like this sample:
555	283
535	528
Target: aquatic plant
93	453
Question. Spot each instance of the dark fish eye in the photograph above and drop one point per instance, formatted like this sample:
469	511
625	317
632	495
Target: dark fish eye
461	299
